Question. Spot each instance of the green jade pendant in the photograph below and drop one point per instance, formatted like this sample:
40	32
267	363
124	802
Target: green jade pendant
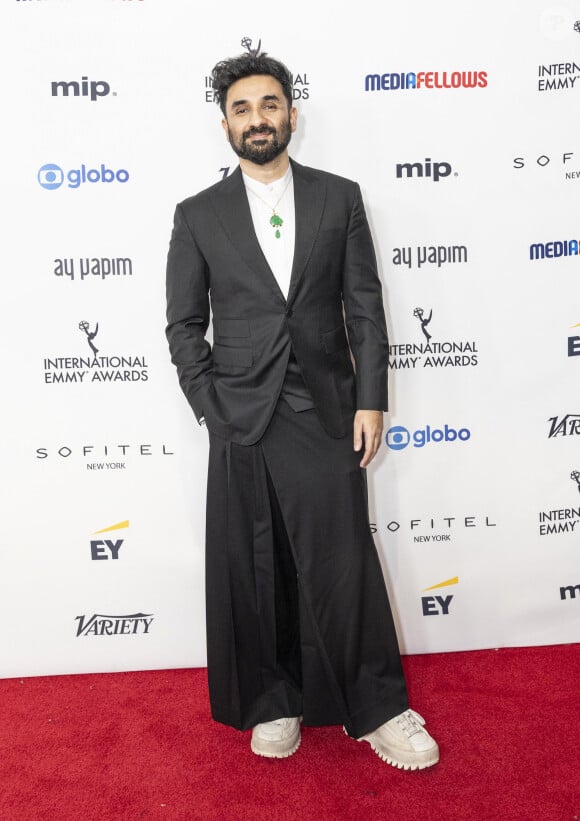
276	222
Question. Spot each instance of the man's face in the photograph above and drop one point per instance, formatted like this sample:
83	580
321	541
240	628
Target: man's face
258	124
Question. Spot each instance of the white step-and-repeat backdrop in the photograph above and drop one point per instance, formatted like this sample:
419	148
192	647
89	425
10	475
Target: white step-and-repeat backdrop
461	123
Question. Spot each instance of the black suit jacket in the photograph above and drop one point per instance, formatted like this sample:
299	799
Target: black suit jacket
214	255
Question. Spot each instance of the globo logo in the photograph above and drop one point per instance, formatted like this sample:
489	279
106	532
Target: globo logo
398	437
51	176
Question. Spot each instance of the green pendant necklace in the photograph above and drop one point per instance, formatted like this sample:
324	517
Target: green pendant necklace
276	220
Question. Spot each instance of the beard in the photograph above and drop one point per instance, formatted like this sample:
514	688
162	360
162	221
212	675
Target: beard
263	151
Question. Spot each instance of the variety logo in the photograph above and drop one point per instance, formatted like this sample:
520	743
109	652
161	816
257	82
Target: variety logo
51	176
429	354
558	76
108	455
430	255
544	160
300	81
398	437
406	80
555	249
94	368
101	625
93	89
105	549
429	170
562	520
449	524
438	605
101	268
574	343
568	425
569	592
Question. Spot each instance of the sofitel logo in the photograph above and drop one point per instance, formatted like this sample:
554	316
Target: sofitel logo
451	354
94	368
449	524
101	625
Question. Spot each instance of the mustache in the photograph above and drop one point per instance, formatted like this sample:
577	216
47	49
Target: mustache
260	129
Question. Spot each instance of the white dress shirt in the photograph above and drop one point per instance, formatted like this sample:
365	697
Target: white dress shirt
279	252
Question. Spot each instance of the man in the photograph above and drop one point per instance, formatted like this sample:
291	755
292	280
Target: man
298	621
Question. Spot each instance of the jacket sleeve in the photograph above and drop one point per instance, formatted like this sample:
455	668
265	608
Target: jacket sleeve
188	315
364	312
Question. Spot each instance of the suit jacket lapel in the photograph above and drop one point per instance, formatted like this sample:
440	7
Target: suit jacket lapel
233	211
309	199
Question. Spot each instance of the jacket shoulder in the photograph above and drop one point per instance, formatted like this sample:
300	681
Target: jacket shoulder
202	197
330	179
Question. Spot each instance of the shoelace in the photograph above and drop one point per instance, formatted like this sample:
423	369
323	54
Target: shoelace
409	724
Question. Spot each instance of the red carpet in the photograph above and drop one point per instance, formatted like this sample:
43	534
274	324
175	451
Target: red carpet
142	745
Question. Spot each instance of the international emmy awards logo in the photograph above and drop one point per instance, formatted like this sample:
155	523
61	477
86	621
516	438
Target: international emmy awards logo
419	313
247	44
575	476
84	326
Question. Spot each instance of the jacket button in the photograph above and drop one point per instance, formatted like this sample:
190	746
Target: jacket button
289	312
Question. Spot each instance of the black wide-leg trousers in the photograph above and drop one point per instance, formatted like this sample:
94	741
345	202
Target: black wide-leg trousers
298	618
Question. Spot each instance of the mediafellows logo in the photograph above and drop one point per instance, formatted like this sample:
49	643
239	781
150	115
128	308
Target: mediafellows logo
430	80
399	437
51	176
554	249
101	625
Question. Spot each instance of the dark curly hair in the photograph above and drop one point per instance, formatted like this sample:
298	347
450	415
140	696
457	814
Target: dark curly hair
227	72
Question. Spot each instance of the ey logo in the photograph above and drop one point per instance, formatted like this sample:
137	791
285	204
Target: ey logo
438	605
101	548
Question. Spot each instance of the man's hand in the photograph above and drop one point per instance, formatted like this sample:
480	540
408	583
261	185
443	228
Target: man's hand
368	428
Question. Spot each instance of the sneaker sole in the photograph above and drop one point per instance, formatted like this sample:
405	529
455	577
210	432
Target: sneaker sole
273	753
400	765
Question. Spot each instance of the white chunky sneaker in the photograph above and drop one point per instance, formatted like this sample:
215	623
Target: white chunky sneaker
404	742
276	739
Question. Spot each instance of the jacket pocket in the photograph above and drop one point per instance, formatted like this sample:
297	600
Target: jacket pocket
237	357
231	327
335	340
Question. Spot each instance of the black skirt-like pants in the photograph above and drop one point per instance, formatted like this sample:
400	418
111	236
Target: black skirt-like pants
298	618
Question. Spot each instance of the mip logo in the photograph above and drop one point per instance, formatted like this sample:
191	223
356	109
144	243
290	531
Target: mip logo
51	176
398	437
430	170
